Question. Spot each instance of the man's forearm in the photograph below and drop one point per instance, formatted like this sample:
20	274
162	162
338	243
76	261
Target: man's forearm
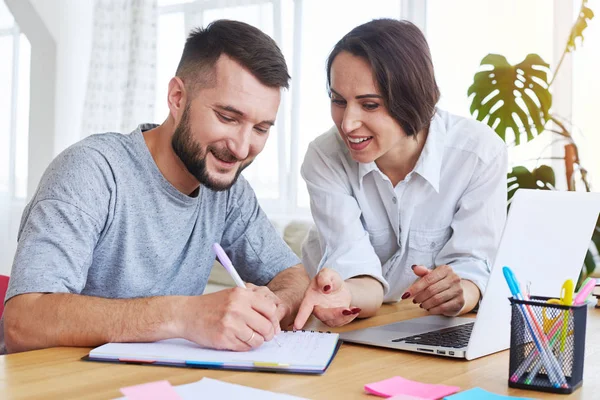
367	294
289	285
33	321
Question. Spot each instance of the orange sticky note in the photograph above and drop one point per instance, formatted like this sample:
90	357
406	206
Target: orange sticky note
160	390
398	386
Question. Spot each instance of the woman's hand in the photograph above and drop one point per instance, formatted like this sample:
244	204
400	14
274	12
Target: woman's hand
328	298
442	291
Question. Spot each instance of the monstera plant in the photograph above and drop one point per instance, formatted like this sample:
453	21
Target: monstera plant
516	101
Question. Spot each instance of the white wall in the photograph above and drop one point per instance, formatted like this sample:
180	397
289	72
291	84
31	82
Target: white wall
69	23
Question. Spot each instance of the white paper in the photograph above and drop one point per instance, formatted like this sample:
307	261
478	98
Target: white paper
213	389
207	388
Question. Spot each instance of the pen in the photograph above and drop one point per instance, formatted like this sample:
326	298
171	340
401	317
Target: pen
580	299
566	295
544	342
533	356
538	365
566	298
537	334
584	292
228	265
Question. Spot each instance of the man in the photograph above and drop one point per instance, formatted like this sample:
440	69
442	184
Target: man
115	246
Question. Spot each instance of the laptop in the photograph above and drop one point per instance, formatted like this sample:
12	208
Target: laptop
545	240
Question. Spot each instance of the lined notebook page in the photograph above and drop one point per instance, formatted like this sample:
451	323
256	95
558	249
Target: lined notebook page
297	349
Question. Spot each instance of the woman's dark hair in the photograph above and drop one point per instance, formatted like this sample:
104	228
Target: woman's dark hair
401	63
247	45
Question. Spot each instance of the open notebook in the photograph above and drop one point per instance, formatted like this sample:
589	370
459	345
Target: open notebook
306	352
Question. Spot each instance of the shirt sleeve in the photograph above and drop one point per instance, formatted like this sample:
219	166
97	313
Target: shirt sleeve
254	246
478	223
61	225
340	241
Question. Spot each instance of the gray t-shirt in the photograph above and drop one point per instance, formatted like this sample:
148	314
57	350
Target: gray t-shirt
105	222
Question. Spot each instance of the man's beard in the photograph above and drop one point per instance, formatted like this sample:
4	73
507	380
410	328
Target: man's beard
194	158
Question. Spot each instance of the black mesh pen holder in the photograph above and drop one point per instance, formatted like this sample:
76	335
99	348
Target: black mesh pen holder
558	367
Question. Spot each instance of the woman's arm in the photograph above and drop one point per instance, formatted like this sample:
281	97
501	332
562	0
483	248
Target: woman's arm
456	284
367	294
442	291
347	275
337	302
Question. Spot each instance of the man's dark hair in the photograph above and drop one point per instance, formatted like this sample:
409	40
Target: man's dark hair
247	45
401	63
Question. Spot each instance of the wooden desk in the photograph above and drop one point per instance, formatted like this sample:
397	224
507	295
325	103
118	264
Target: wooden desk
58	373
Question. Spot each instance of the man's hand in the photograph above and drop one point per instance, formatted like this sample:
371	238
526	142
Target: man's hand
233	319
328	298
283	309
441	291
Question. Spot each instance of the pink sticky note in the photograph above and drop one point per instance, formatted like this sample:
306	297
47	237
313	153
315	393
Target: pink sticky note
399	386
160	390
405	397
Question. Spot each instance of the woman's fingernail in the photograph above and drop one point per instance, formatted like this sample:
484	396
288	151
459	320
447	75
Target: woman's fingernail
421	305
406	295
355	310
326	288
414	301
347	312
413	266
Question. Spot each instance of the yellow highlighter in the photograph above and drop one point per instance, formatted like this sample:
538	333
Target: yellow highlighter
566	298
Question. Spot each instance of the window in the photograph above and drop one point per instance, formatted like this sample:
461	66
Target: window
275	173
175	23
323	24
14	107
586	88
14	132
460	33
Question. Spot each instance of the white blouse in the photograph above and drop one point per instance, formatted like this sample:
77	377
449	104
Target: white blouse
450	209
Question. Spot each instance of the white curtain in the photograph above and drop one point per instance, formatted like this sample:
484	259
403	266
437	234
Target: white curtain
122	75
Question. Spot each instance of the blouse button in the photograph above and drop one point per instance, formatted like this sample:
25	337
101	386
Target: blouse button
394	200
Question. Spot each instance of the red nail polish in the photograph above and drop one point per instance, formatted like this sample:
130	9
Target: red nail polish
347	312
414	301
413	266
355	310
421	305
405	296
326	288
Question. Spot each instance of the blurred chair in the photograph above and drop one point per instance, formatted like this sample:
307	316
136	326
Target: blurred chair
3	287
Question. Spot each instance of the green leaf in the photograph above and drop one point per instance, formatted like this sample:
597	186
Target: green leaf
585	15
545	175
520	177
498	88
590	264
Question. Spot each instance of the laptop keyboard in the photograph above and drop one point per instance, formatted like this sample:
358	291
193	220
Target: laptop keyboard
454	337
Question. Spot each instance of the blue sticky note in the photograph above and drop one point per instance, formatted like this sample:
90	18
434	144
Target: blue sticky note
480	394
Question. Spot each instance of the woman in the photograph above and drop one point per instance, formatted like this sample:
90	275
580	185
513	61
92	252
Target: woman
409	201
